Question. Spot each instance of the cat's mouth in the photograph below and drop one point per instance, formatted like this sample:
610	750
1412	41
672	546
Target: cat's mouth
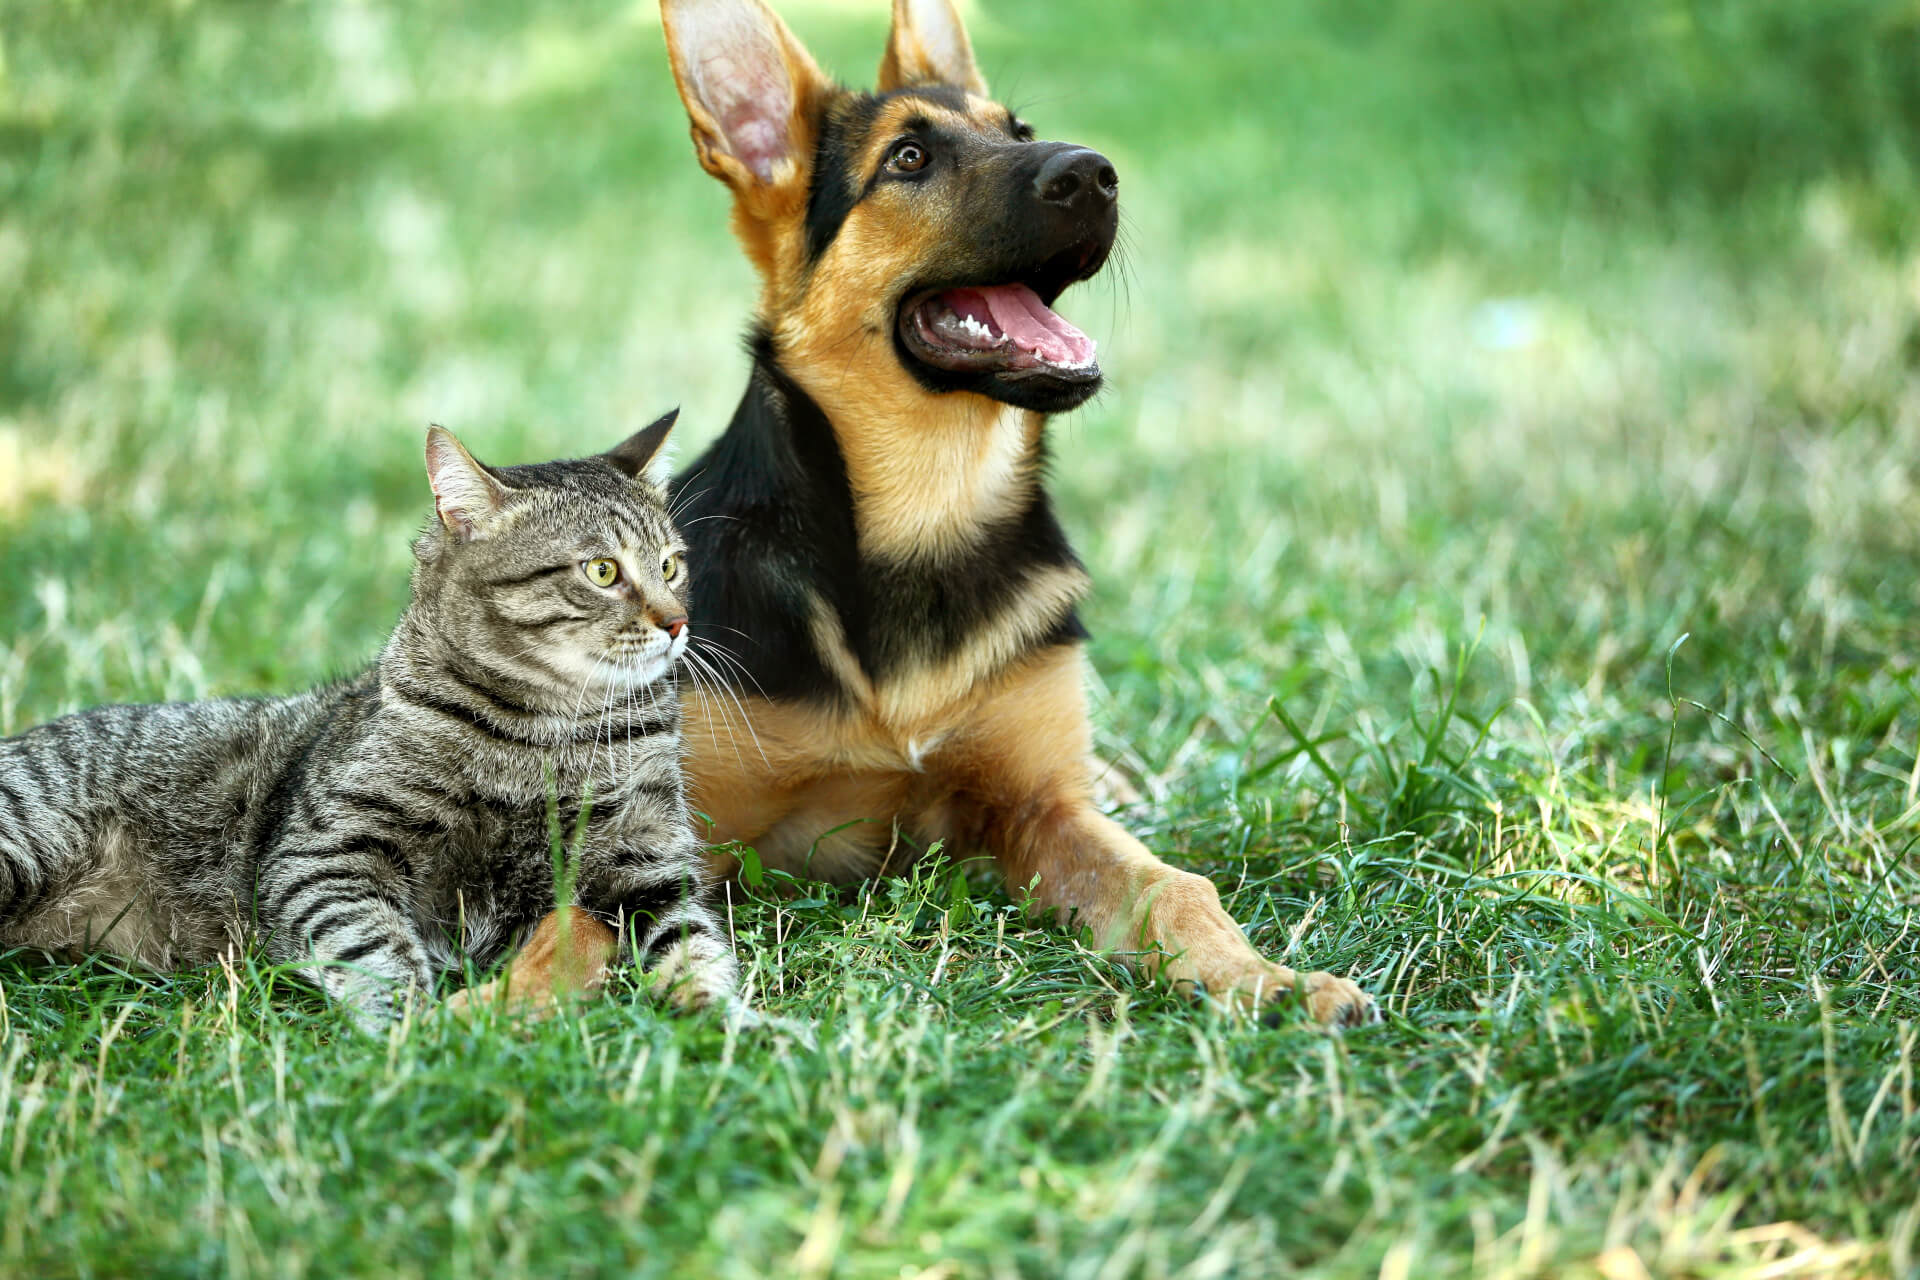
634	662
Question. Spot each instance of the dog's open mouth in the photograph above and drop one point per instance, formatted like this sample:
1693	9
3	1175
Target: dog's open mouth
1002	328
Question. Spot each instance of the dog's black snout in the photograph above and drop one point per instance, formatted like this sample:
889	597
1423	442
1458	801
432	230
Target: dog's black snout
1077	178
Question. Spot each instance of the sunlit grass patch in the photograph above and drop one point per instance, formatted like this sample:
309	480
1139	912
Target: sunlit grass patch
37	471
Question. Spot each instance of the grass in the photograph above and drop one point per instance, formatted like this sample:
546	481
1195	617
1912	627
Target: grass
1467	361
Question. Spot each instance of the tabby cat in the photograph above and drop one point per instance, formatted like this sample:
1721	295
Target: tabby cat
376	830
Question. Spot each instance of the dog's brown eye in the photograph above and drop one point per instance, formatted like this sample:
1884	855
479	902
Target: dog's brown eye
907	157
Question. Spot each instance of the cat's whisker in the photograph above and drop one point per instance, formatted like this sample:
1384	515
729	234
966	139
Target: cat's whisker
709	695
578	720
679	501
586	682
734	663
711	643
631	689
700	690
724	627
732	691
609	718
727	690
633	697
724	654
629	669
732	656
686	498
605	724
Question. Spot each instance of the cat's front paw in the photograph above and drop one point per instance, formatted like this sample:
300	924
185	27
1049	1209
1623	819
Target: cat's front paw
372	1005
743	1018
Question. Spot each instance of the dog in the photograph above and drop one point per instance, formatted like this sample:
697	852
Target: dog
872	545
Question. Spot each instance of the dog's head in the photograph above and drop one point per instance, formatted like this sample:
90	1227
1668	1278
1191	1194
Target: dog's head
919	234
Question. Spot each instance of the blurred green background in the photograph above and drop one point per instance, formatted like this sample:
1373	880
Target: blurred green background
1463	357
1424	309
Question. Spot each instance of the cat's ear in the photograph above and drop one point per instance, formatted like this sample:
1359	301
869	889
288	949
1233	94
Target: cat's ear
464	494
639	454
928	45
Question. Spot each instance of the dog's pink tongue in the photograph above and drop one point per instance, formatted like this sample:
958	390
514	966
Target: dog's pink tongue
1019	313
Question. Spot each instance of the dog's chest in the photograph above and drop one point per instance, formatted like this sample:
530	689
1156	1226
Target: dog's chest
836	793
926	489
900	723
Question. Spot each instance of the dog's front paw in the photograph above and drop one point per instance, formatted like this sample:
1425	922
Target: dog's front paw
467	1002
1273	991
506	1000
1334	1003
1337	1003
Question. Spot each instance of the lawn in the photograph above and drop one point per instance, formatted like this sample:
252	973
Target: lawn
1505	507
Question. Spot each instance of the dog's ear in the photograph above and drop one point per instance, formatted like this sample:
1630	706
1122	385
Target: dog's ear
640	452
929	45
751	90
465	494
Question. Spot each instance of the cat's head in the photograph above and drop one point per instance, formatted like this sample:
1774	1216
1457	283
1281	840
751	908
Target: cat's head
565	577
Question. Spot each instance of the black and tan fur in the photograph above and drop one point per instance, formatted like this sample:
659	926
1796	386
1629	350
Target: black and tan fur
872	532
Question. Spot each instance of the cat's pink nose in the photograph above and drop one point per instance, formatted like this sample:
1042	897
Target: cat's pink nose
674	626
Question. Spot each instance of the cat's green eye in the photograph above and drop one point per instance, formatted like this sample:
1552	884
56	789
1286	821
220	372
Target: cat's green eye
602	572
670	567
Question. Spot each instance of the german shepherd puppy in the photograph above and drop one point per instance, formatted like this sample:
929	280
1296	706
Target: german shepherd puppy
871	537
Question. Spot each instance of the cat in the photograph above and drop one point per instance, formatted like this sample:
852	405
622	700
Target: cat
373	831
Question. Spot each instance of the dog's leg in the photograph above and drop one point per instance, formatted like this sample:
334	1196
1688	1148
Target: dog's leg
1165	920
1025	765
566	957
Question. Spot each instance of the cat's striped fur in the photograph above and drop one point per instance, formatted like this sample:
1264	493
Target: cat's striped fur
380	828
